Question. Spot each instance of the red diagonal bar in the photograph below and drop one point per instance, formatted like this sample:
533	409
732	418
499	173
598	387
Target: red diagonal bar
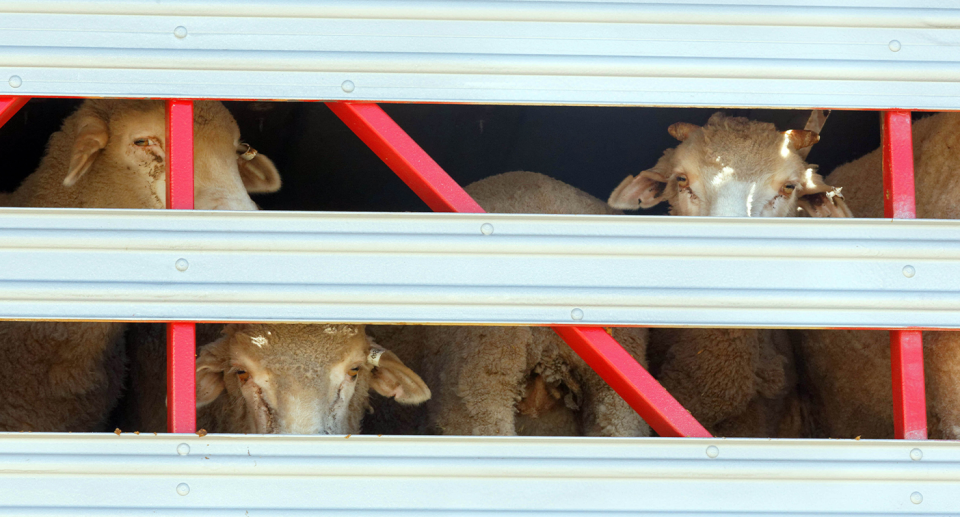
414	166
9	106
634	383
181	336
600	351
906	346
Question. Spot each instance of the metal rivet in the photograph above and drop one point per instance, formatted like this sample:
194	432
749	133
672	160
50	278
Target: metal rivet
182	264
894	46
576	314
713	451
486	228
15	81
180	32
916	455
916	498
183	449
348	86
183	489
908	271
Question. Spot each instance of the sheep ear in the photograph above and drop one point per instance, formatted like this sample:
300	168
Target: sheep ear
91	138
817	199
258	173
211	364
682	130
648	189
392	378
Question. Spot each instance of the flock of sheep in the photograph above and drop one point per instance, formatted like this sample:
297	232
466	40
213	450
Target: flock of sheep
477	380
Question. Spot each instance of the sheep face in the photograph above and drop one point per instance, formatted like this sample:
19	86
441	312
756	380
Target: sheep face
298	379
119	154
733	167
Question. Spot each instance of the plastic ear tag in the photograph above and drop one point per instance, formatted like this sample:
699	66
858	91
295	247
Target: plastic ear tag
248	154
374	357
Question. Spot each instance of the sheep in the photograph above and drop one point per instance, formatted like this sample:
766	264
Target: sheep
66	376
736	382
273	378
511	380
849	370
733	166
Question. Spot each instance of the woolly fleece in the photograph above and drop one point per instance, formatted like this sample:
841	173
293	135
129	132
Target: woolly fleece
736	382
297	361
68	376
848	371
511	380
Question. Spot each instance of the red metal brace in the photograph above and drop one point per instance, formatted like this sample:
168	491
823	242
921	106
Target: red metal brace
181	336
600	351
906	346
9	106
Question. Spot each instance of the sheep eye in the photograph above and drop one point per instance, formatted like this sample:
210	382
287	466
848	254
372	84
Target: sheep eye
788	189
243	376
141	142
353	372
682	181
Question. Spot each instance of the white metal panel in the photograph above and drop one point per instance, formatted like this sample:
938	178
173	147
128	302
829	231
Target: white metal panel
773	53
441	268
131	475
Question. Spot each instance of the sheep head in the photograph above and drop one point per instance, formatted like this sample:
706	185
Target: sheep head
118	152
733	167
299	379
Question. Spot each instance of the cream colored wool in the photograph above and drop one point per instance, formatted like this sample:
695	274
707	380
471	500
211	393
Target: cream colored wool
108	154
736	382
512	380
272	379
849	370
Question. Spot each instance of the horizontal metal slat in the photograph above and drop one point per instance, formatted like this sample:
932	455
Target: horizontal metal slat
448	268
365	475
772	53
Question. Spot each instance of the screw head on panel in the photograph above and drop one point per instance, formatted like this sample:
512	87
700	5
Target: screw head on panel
348	86
894	46
486	228
183	449
713	451
182	264
916	498
576	314
183	489
15	81
909	271
916	455
180	32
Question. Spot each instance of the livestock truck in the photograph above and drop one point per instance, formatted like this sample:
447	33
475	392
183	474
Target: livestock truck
444	93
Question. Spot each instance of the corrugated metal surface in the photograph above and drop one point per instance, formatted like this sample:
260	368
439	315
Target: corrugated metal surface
132	475
673	271
878	54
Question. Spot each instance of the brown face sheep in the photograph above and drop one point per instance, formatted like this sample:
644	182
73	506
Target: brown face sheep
512	380
849	370
736	382
276	379
109	154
